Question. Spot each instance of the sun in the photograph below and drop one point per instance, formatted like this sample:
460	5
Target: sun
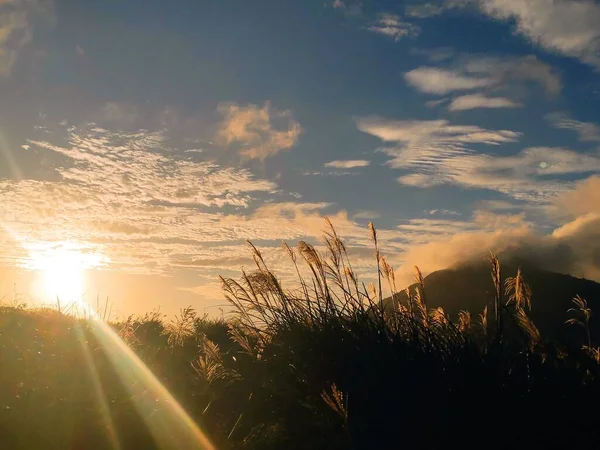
63	275
62	269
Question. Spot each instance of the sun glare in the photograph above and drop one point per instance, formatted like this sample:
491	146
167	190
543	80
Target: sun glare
63	275
62	269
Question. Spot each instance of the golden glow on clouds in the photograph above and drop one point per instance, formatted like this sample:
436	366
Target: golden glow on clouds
132	203
254	128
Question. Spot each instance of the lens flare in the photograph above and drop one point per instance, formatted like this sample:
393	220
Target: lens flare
8	157
166	420
98	390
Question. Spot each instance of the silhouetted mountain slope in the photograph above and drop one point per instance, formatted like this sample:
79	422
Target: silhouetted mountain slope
470	287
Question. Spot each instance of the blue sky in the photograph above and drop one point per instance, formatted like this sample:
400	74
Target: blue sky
159	136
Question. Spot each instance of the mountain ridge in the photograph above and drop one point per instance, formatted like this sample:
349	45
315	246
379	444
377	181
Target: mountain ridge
469	287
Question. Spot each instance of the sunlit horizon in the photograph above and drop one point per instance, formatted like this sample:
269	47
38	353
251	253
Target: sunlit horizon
61	270
136	167
298	223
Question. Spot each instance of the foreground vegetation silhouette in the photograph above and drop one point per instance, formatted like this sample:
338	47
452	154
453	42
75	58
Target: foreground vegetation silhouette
332	363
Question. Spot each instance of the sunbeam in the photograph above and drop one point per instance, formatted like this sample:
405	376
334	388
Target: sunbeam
98	390
169	424
6	152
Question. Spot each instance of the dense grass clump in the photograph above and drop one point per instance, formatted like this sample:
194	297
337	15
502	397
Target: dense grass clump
326	364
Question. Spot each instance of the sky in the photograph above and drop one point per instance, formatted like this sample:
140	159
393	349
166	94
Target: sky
146	141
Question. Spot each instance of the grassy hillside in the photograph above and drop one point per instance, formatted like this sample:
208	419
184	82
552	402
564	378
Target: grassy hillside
470	287
322	365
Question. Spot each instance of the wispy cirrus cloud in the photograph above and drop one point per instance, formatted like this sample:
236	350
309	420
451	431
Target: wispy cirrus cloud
533	175
474	101
384	23
435	152
484	73
443	212
153	209
526	69
393	26
124	187
423	141
259	132
128	196
433	80
348	164
587	131
567	27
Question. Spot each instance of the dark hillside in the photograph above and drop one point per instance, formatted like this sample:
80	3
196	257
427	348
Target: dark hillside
470	287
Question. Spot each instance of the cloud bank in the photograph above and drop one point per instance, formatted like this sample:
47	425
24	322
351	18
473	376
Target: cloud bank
572	248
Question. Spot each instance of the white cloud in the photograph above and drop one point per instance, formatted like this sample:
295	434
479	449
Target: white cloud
447	243
435	152
532	175
568	27
484	72
432	80
151	210
260	132
122	163
582	201
436	103
587	131
542	162
417	135
531	169
348	164
515	70
444	212
474	101
393	26
435	244
570	248
118	188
